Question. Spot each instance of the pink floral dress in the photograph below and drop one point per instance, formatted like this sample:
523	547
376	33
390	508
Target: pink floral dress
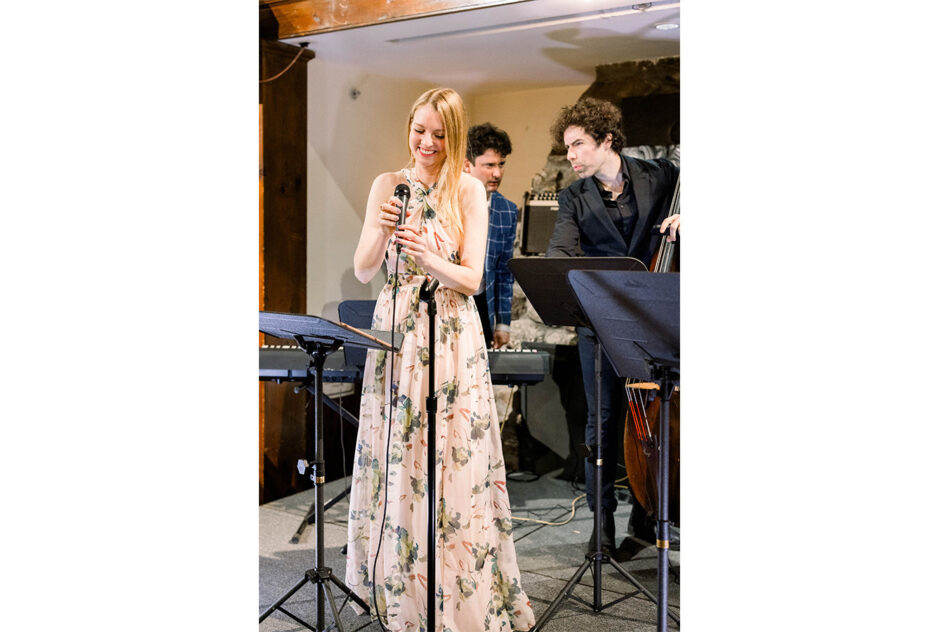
475	556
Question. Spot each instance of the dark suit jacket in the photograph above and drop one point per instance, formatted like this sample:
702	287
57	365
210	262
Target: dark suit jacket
584	227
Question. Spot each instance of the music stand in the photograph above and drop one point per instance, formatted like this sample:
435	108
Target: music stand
319	337
635	315
545	283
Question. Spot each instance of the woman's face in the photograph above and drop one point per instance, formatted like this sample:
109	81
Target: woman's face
426	138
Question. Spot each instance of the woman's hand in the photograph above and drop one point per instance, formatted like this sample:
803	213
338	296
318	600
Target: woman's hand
378	225
389	212
413	243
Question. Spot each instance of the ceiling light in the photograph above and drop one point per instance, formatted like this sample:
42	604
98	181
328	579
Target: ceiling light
667	26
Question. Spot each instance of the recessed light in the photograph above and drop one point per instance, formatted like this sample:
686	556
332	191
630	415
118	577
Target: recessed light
667	26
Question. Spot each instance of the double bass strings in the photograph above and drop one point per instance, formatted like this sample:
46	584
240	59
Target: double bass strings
637	408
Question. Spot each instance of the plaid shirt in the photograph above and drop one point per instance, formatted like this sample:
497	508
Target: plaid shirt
497	278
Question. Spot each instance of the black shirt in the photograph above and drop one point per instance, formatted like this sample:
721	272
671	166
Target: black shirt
623	211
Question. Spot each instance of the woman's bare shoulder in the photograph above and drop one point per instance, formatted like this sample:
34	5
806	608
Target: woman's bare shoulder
385	183
470	188
469	182
389	178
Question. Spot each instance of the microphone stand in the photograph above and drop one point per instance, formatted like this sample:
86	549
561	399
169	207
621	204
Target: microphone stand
426	294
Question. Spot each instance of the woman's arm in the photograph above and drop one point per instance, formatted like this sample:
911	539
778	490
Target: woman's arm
465	277
382	212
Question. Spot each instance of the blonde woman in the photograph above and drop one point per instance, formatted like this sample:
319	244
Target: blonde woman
443	236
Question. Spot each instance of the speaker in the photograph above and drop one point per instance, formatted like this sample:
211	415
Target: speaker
539	212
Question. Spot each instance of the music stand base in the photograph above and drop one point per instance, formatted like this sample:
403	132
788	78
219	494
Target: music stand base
590	560
320	578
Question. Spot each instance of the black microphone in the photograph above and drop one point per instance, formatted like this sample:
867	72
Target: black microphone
403	193
428	288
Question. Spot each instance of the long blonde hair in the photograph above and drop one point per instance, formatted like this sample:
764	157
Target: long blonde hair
449	106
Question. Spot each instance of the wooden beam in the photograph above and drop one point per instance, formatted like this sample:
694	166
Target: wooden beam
297	18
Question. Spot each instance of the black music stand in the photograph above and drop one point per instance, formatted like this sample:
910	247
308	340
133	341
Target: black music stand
635	315
545	283
319	337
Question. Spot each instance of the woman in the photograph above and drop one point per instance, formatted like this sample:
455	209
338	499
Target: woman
443	236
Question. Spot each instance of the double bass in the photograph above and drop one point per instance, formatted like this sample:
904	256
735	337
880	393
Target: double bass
640	436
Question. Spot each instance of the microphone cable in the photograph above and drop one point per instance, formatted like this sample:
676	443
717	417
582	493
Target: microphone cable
403	193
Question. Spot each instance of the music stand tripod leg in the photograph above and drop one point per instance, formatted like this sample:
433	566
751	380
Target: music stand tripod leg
277	604
329	595
564	594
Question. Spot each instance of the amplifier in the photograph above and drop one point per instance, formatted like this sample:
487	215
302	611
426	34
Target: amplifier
539	212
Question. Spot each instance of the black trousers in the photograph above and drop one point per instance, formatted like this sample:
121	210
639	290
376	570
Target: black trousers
612	414
480	300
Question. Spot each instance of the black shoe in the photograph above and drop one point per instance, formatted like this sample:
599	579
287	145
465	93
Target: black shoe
629	549
607	534
647	534
642	525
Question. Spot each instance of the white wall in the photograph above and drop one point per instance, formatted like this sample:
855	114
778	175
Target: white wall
350	141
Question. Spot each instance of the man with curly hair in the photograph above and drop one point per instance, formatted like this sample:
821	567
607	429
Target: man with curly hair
612	210
487	149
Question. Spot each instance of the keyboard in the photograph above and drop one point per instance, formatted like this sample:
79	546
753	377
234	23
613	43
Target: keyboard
289	363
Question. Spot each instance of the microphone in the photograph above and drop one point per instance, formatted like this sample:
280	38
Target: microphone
403	193
428	288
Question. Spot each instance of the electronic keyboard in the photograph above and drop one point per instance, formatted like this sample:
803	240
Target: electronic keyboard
290	364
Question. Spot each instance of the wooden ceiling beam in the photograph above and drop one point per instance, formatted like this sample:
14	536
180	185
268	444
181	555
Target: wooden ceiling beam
284	19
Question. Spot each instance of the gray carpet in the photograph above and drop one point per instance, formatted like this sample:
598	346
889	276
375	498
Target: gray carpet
549	556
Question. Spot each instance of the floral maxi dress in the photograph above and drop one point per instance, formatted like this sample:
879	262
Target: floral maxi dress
479	587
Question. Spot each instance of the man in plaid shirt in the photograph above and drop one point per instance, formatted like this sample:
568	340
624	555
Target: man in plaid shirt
487	149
